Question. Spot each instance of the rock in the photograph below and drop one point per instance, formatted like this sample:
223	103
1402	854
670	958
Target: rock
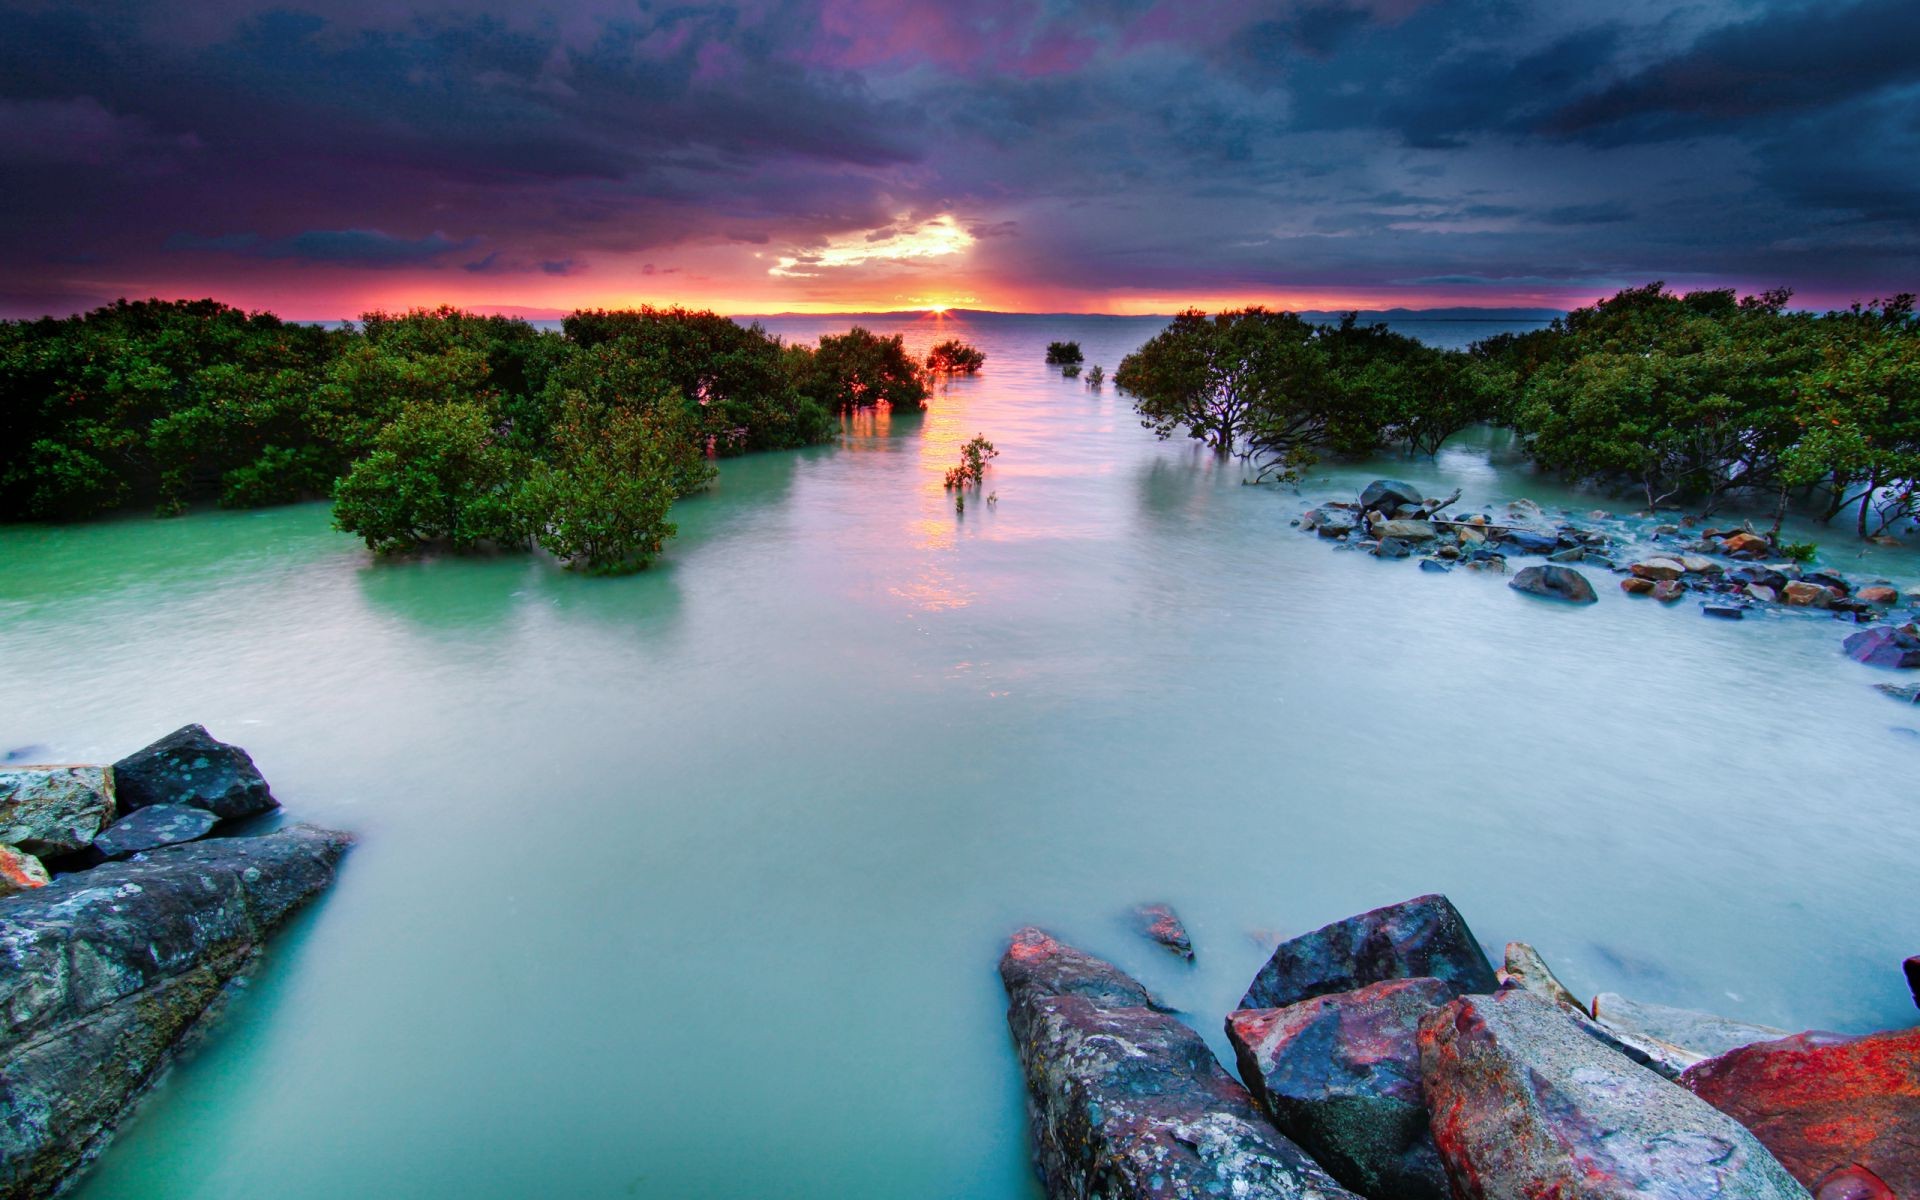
1658	569
1666	591
1747	545
1598	560
1496	564
1523	507
1392	548
1525	1105
1129	1104
1160	923
1406	531
1470	535
1725	612
1878	593
54	810
1555	583
1329	522
1419	937
1340	1075
20	871
1434	566
1633	585
1884	646
105	970
1763	593
189	766
1912	968
1696	565
1389	494
1824	1102
1524	968
152	827
1702	1033
1828	580
1905	693
1802	594
1853	1183
1765	576
1572	554
1529	541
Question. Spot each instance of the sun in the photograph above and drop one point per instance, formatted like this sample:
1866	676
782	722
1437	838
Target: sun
938	310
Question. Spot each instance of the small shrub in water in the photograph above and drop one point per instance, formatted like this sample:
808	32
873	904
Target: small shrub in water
1061	353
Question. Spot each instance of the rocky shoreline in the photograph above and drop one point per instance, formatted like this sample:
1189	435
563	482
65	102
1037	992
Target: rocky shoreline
1384	1057
129	907
1731	572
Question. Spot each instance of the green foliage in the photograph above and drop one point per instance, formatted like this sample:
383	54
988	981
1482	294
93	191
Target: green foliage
600	498
857	369
1062	353
1096	375
955	357
439	472
972	471
1800	552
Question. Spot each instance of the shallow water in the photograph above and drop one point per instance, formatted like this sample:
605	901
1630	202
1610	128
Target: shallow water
691	884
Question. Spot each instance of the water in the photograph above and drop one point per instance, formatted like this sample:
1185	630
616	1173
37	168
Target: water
691	884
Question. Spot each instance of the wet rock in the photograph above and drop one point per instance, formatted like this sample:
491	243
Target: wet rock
1127	1103
1494	564
1524	968
190	766
1878	593
1828	580
152	827
1470	535
1884	646
1424	936
1406	531
1633	585
1598	560
1340	1075
1329	522
1764	576
1725	612
54	810
1392	548
1161	924
1658	569
1434	566
1555	583
1762	593
1696	565
1702	1033
1666	591
1524	508
1572	554
1824	1102
1525	1105
1389	494
1529	541
1747	545
107	969
1905	693
1853	1183
1802	594
20	871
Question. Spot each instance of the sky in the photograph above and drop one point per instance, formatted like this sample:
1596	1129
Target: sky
321	160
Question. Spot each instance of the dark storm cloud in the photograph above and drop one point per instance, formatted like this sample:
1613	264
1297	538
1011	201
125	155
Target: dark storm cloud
1123	145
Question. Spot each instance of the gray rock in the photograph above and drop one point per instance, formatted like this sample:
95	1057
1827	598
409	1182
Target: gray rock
1434	566
1702	1033
191	766
1389	494
1530	541
103	972
1554	583
1129	1104
1424	936
152	827
1524	968
1406	531
1526	1105
1392	548
54	810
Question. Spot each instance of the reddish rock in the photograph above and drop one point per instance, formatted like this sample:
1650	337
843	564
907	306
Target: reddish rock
20	871
1747	545
1802	594
1633	585
1884	646
1825	1102
1527	1106
1854	1183
1163	925
1658	569
1668	590
1340	1075
1877	593
1419	937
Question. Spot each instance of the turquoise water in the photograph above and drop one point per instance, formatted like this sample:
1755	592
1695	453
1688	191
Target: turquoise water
691	884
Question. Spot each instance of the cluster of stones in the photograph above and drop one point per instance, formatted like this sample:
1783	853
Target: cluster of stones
1727	570
1384	1057
122	926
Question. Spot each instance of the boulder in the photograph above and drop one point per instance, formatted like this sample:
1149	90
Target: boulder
1803	594
1572	554
1884	646
1524	968
1696	565
1161	924
1470	535
1633	585
54	810
1878	593
1666	591
1747	545
1824	1102
1555	583
1524	507
1389	494
1828	580
1526	1105
1530	541
152	827
1764	576
1853	1183
1702	1033
20	871
1329	522
1658	569
189	766
106	970
1127	1103
1424	936
1763	593
1406	531
1434	566
1340	1075
1392	548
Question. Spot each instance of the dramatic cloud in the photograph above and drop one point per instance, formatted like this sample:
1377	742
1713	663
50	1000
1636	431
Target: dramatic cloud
1106	154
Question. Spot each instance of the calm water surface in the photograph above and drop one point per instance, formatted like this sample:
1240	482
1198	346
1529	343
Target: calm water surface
692	884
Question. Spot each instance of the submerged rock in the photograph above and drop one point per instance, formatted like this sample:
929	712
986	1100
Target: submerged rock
1555	583
1702	1033
1525	1105
1884	646
1424	936
1658	569
20	871
1529	541
105	970
1389	494
152	827
1160	923
1127	1102
54	810
1823	1102
1340	1074
191	766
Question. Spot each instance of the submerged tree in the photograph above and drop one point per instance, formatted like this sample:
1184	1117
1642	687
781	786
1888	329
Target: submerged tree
1062	353
972	471
955	357
600	498
857	369
439	472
